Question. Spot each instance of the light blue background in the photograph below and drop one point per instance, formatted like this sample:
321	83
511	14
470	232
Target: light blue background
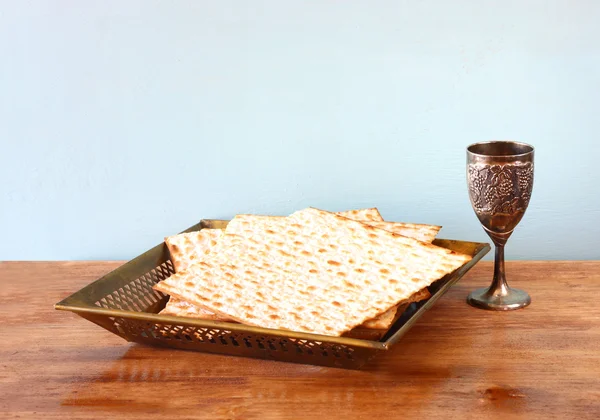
125	121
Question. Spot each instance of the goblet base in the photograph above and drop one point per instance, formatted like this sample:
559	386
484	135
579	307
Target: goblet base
486	299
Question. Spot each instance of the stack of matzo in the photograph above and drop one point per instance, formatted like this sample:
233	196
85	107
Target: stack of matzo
186	248
313	271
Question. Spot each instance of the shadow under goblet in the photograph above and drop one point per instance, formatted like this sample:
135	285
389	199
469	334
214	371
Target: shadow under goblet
500	180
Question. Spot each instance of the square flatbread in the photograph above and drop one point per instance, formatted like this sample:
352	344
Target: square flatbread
178	307
363	215
184	252
386	319
423	233
186	248
314	272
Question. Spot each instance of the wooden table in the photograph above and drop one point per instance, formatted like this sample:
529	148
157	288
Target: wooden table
540	362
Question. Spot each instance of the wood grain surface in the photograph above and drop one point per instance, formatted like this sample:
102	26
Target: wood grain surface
457	362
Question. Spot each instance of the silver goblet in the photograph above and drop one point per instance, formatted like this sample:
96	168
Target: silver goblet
500	180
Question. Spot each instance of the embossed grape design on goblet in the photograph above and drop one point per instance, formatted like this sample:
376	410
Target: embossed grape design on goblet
500	180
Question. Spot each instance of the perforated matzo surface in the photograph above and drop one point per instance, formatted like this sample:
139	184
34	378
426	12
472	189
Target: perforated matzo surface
313	272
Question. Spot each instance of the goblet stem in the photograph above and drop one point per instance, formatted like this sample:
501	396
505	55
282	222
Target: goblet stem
499	286
499	297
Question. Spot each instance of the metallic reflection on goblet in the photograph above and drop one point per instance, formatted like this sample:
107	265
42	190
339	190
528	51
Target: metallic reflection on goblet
500	180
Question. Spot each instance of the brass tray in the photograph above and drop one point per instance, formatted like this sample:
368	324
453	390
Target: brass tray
124	303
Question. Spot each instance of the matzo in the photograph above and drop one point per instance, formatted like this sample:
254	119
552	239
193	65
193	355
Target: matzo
386	319
424	233
376	328
313	271
186	248
363	215
374	334
247	225
178	307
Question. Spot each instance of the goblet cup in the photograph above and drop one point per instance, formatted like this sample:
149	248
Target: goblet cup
500	180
